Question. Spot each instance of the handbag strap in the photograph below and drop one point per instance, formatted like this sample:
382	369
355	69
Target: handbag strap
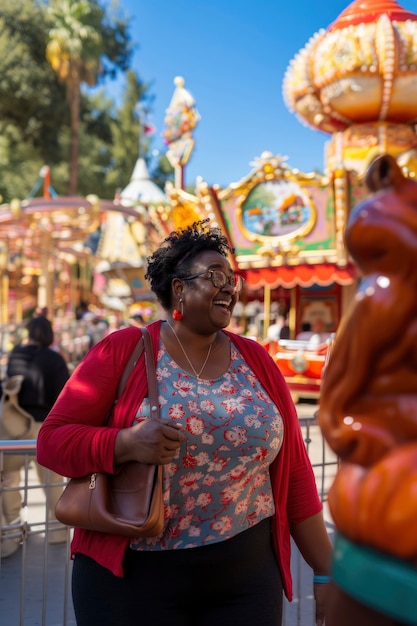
144	343
151	374
137	351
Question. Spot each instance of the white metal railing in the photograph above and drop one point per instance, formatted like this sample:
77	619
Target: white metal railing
35	580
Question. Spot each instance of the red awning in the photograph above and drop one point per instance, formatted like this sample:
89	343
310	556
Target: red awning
304	275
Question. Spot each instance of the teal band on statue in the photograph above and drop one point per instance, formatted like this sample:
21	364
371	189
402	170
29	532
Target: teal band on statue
377	580
321	579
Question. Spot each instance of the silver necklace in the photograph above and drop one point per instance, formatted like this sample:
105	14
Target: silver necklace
196	374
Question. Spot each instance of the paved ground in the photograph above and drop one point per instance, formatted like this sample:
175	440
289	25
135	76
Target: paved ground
35	581
34	589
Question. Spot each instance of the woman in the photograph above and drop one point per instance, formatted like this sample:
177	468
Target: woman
237	478
44	370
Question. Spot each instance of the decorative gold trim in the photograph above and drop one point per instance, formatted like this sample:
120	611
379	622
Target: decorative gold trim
272	170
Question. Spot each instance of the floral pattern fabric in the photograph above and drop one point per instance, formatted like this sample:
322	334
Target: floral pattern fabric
218	485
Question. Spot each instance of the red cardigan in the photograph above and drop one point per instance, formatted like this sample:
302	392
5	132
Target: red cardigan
73	443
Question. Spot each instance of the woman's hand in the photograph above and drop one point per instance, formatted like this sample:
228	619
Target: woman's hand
313	541
151	441
320	596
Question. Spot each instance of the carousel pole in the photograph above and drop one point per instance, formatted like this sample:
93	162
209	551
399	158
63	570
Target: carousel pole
179	176
45	173
4	287
45	286
267	310
19	295
44	270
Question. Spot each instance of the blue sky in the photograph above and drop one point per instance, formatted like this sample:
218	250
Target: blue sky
233	55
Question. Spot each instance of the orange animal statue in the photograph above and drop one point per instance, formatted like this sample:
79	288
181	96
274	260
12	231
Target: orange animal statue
368	412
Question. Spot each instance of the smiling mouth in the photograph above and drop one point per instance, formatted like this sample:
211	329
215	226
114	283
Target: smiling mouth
223	303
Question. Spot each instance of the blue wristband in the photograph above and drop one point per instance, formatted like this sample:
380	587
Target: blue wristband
321	579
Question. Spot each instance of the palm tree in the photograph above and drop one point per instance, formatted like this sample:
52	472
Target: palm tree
74	50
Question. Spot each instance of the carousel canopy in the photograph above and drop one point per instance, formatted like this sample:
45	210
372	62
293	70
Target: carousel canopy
362	69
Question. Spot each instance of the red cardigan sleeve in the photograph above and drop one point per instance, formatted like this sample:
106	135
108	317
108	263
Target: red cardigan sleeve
72	441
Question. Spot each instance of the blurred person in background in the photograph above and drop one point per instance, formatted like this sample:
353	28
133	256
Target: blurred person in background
44	372
137	320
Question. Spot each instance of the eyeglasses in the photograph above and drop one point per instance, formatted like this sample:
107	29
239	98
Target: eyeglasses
220	279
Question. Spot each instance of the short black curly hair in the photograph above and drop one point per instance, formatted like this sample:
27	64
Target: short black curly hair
173	259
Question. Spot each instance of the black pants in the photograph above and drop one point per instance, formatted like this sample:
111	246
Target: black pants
236	581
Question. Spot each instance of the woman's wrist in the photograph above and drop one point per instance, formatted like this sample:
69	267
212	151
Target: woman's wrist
321	579
121	447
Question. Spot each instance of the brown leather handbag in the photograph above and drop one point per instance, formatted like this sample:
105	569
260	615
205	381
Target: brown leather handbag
129	503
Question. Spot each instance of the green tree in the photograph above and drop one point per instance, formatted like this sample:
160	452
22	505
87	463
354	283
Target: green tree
164	172
32	104
127	133
130	139
95	154
84	43
35	122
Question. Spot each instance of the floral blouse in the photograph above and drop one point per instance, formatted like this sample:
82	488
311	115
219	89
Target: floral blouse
218	484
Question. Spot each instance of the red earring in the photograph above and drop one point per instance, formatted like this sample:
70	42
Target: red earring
177	315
